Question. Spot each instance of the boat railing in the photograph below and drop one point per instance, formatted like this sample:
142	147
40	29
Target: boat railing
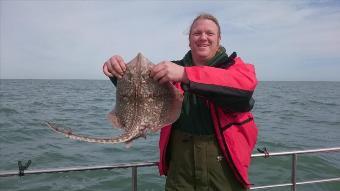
136	165
294	157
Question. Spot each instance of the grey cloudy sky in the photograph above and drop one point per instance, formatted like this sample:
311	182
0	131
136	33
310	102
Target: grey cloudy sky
285	40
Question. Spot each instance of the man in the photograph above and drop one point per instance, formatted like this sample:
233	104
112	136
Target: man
209	146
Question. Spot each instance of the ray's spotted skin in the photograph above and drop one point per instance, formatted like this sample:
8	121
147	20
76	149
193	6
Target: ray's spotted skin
142	105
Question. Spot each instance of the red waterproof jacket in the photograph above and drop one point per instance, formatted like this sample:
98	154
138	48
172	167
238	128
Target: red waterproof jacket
229	91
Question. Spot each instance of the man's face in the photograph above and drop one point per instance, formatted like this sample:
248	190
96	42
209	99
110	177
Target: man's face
204	39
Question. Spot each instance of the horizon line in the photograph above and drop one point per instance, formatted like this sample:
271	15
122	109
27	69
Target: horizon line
109	79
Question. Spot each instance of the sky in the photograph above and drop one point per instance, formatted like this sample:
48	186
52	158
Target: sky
285	40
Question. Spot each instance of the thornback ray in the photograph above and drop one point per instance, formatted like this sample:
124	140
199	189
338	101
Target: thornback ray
142	105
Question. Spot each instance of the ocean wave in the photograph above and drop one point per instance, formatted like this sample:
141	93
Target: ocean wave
324	102
8	111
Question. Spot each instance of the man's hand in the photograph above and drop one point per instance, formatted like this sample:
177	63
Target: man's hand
168	71
115	66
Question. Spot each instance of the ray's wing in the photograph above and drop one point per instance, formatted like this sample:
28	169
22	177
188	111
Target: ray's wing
113	119
169	108
174	106
160	103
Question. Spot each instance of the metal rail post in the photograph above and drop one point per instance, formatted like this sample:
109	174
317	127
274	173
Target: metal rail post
134	178
294	161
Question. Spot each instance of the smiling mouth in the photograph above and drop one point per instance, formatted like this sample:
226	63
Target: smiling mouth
202	45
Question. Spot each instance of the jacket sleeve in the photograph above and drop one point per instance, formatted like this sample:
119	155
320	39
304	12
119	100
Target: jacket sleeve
113	80
231	88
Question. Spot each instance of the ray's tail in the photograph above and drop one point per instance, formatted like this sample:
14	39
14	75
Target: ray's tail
124	138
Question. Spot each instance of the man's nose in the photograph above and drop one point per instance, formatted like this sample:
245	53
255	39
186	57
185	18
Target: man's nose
203	36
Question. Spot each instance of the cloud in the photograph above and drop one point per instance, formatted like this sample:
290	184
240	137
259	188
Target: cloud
72	39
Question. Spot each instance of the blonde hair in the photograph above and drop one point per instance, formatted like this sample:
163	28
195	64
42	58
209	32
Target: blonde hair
208	17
